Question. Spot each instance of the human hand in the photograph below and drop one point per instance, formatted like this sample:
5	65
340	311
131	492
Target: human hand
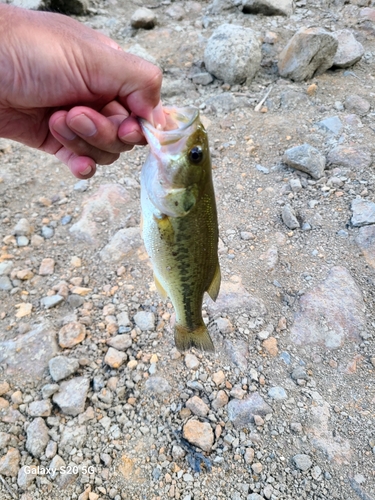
71	91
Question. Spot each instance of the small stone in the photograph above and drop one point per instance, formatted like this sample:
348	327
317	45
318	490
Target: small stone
197	406
295	185
114	358
24	309
363	212
258	420
237	392
40	408
4	439
310	52
218	377
303	462
66	220
9	463
249	455
37	437
145	320
72	395
332	124
143	18
349	50
61	367
47	267
257	468
220	401
51	449
366	242
81	185
350	157
176	12
71	334
6	267
199	434
25	274
289	217
24	479
158	385
22	241
241	411
307	159
356	104
5	284
246	236
191	361
120	342
254	496
123	319
296	427
277	393
270	345
51	301
75	301
268	7
56	464
122	245
22	228
224	325
299	373
316	472
47	232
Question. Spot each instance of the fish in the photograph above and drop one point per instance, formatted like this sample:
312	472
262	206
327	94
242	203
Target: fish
179	221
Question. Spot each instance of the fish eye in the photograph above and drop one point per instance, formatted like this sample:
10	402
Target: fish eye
196	154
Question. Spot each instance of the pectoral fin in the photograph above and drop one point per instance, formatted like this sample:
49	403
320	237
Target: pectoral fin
159	288
213	289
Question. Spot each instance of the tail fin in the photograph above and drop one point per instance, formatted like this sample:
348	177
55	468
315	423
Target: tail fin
199	338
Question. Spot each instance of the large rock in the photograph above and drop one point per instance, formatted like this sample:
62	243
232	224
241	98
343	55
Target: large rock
350	157
363	212
332	313
122	245
268	7
26	357
241	411
307	159
233	54
72	396
366	242
309	52
349	50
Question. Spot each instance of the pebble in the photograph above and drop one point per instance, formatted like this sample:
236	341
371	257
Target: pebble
220	401
4	439
277	393
143	18
307	159
218	377
302	462
289	217
120	342
332	124
37	437
199	434
191	361
47	232
295	185
268	7
25	479
310	52
72	395
363	212
233	54
200	76
49	389
47	267
158	385
145	320
22	241
115	358
5	284
40	408
66	220
366	242
349	157
62	367
257	468
6	267
249	455
349	50
122	245
81	185
22	228
176	12
51	301
254	496
270	345
197	406
339	301
241	411
9	463
357	104
71	334
224	325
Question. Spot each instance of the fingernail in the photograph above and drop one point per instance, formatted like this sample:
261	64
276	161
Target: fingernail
62	129
87	171
83	125
132	138
158	117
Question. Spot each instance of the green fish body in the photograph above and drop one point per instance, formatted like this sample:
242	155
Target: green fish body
179	221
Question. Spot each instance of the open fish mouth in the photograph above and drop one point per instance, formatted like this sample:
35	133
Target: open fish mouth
180	124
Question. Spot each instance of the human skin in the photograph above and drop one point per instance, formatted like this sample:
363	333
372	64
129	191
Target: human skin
71	91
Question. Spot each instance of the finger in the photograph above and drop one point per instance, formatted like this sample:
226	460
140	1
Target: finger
81	167
130	132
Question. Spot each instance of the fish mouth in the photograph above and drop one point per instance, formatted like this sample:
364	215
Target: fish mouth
180	124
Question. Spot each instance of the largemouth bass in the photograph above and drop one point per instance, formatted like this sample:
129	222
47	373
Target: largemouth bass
179	221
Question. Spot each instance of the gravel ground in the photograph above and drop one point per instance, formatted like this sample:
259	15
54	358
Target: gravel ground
95	401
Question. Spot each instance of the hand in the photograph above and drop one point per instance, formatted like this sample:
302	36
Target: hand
71	91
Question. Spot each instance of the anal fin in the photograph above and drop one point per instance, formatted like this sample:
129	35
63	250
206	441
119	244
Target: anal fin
160	288
213	289
199	338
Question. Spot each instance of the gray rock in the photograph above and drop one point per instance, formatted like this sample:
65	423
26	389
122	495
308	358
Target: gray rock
47	232
75	300
145	320
303	462
5	284
233	54
350	157
349	50
139	51
51	301
120	342
123	319
176	12
22	228
332	313
49	389
241	411
22	241
122	245
268	7
143	18
9	463
254	496
62	367
218	6
366	242
238	353
299	373
158	385
56	463
307	159
310	52
73	436
24	479
357	104
40	408
200	76
81	185
26	356
37	437
277	393
332	124
4	439
5	267
289	217
295	185
363	212
72	396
